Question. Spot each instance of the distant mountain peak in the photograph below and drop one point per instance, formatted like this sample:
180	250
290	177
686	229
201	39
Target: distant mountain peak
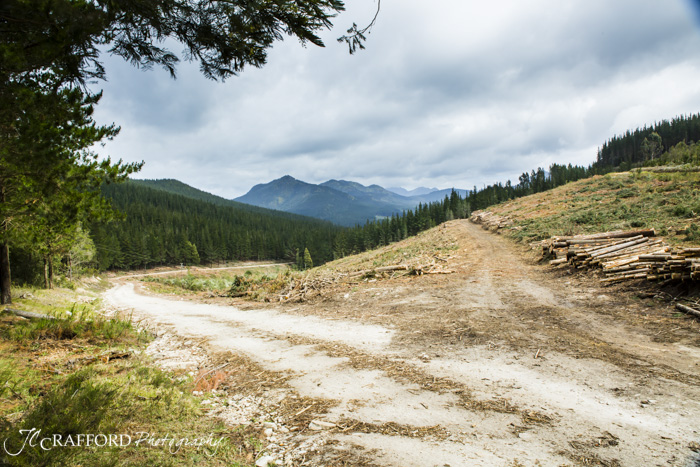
415	192
340	201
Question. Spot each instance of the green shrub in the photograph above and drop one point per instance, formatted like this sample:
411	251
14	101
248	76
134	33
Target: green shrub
627	193
683	210
693	234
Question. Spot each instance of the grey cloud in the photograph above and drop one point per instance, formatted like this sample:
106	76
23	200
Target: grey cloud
447	94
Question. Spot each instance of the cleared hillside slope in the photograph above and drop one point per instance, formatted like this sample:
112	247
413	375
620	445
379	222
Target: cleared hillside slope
667	202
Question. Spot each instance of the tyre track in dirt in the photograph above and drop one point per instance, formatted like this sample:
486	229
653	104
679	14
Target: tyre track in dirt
590	404
365	395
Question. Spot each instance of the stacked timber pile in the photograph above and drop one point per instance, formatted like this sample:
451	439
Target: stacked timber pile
490	221
679	264
625	256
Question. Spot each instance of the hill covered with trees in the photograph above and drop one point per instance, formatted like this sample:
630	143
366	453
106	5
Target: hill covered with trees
160	227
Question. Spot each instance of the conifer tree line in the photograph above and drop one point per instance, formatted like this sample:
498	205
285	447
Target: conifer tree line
161	228
647	143
426	216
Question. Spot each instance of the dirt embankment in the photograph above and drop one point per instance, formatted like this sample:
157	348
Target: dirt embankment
501	363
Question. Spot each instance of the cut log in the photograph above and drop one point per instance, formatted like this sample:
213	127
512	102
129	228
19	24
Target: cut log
29	314
659	258
400	267
607	243
621	246
626	277
628	267
687	309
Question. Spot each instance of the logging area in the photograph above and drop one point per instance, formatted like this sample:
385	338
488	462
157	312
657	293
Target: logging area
487	358
619	256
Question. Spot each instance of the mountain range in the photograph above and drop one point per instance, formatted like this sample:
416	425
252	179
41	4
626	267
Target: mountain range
339	201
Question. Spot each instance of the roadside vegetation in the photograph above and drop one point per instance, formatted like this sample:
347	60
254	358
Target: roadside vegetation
84	373
427	249
259	284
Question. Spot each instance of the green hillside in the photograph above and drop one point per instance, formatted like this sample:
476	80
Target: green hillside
165	228
177	187
643	198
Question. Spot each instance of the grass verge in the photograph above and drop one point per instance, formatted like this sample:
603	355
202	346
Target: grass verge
260	284
77	390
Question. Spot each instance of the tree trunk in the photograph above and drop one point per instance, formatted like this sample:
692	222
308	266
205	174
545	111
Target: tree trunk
50	272
5	280
70	267
689	310
46	272
29	314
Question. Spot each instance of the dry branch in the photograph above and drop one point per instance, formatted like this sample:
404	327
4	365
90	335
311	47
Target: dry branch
687	309
366	272
29	314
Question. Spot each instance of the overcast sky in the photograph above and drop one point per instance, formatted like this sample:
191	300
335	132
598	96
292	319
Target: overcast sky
449	93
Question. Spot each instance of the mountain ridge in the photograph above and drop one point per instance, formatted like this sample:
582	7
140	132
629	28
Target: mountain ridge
177	187
323	202
339	201
421	190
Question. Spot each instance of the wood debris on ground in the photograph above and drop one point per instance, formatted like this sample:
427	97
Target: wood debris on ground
313	285
490	221
689	310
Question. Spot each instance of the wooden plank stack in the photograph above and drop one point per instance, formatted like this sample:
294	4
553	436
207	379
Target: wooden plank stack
625	256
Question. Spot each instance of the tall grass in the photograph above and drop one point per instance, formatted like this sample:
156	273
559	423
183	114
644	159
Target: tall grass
78	321
257	285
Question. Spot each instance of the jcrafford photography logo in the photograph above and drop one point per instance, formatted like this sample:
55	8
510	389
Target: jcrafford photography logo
33	438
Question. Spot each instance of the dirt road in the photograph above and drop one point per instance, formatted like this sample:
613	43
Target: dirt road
503	363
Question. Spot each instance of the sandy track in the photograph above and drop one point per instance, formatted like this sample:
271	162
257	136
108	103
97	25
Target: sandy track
602	390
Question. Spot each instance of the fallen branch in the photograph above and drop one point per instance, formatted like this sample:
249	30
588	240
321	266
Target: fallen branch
687	309
29	314
211	371
364	272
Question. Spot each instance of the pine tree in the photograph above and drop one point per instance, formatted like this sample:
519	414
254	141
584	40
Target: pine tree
308	263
